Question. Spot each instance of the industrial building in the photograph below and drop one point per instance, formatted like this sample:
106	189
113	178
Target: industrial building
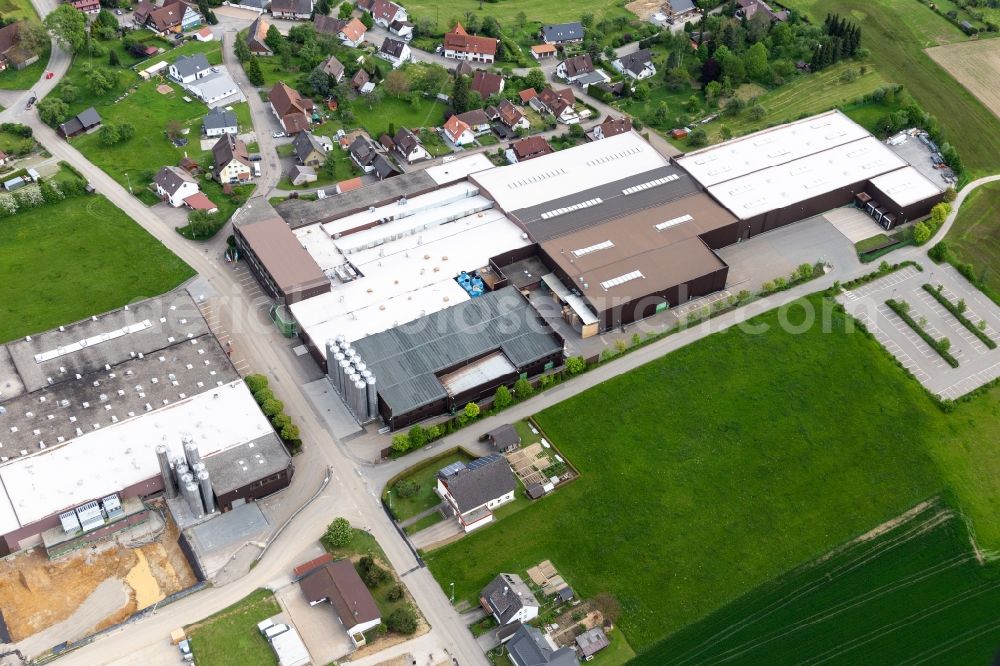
90	411
788	173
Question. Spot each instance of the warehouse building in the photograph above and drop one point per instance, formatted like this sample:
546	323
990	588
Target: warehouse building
279	263
791	172
84	409
899	196
440	362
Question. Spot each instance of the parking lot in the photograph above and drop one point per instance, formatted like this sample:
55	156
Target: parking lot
318	626
977	363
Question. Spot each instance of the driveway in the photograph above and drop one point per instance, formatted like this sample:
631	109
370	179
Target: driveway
318	625
446	530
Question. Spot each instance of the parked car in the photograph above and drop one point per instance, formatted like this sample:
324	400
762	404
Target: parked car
277	135
49	75
255	157
185	648
31	100
118	12
274	630
438	48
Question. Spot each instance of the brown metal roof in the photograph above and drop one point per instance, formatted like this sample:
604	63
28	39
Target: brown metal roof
339	583
292	268
665	257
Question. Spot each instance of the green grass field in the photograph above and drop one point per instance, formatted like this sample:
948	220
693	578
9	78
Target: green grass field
896	32
401	113
424	476
804	95
135	161
974	235
61	263
18	10
915	594
544	11
230	637
711	498
23	79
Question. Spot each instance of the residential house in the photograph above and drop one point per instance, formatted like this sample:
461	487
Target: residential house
383	12
189	68
200	201
363	152
486	83
260	6
85	121
637	65
473	491
205	35
543	51
611	126
231	163
408	146
216	89
506	438
402	29
527	148
573	69
86	6
382	168
748	8
296	10
328	25
256	35
174	16
352	33
511	116
464	69
339	584
530	647
308	149
395	51
350	185
291	109
360	82
218	121
681	10
11	53
591	642
333	68
613	89
302	175
509	599
527	95
174	184
460	45
477	120
558	103
458	132
562	33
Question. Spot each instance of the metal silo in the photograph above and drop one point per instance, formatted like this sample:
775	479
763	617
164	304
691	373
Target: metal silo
191	452
169	487
372	398
360	401
207	496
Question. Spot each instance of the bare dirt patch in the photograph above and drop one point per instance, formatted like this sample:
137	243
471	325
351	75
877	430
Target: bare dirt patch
36	593
644	8
974	64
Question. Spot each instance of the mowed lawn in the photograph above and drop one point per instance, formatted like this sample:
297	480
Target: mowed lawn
896	32
544	11
805	95
912	594
230	637
713	470
70	260
18	10
976	233
22	79
400	112
149	111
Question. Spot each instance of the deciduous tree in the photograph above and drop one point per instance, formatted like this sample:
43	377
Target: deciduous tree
69	26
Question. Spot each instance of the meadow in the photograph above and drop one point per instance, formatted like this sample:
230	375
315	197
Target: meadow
231	636
974	234
81	256
913	594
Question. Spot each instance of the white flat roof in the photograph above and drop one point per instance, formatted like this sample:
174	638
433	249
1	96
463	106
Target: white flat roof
401	208
569	171
105	461
404	278
449	172
771	147
906	186
805	178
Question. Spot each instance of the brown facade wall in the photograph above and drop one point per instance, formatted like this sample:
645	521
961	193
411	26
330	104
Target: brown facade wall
636	310
903	213
254	492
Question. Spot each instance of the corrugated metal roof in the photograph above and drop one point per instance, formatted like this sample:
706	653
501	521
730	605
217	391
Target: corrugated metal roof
406	359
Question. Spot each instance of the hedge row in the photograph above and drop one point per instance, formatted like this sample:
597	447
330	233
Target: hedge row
274	409
883	269
958	311
901	308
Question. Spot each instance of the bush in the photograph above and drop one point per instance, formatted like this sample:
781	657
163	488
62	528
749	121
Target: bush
372	573
523	389
280	421
921	233
402	620
417	437
338	534
471	411
395	593
263	396
502	398
575	365
406	488
290	433
400	443
256	382
272	407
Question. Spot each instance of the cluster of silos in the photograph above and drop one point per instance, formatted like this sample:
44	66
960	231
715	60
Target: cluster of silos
187	477
351	379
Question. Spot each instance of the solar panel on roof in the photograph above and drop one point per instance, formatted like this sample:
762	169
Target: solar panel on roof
485	460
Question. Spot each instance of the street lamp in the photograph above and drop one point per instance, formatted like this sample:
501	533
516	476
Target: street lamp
453	592
129	181
389	495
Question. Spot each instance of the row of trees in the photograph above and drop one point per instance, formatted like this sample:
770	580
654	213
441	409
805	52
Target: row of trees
274	409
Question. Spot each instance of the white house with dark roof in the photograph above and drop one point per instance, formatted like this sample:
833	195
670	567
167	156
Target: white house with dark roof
174	185
189	68
562	33
474	490
218	121
530	647
638	65
509	599
395	51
